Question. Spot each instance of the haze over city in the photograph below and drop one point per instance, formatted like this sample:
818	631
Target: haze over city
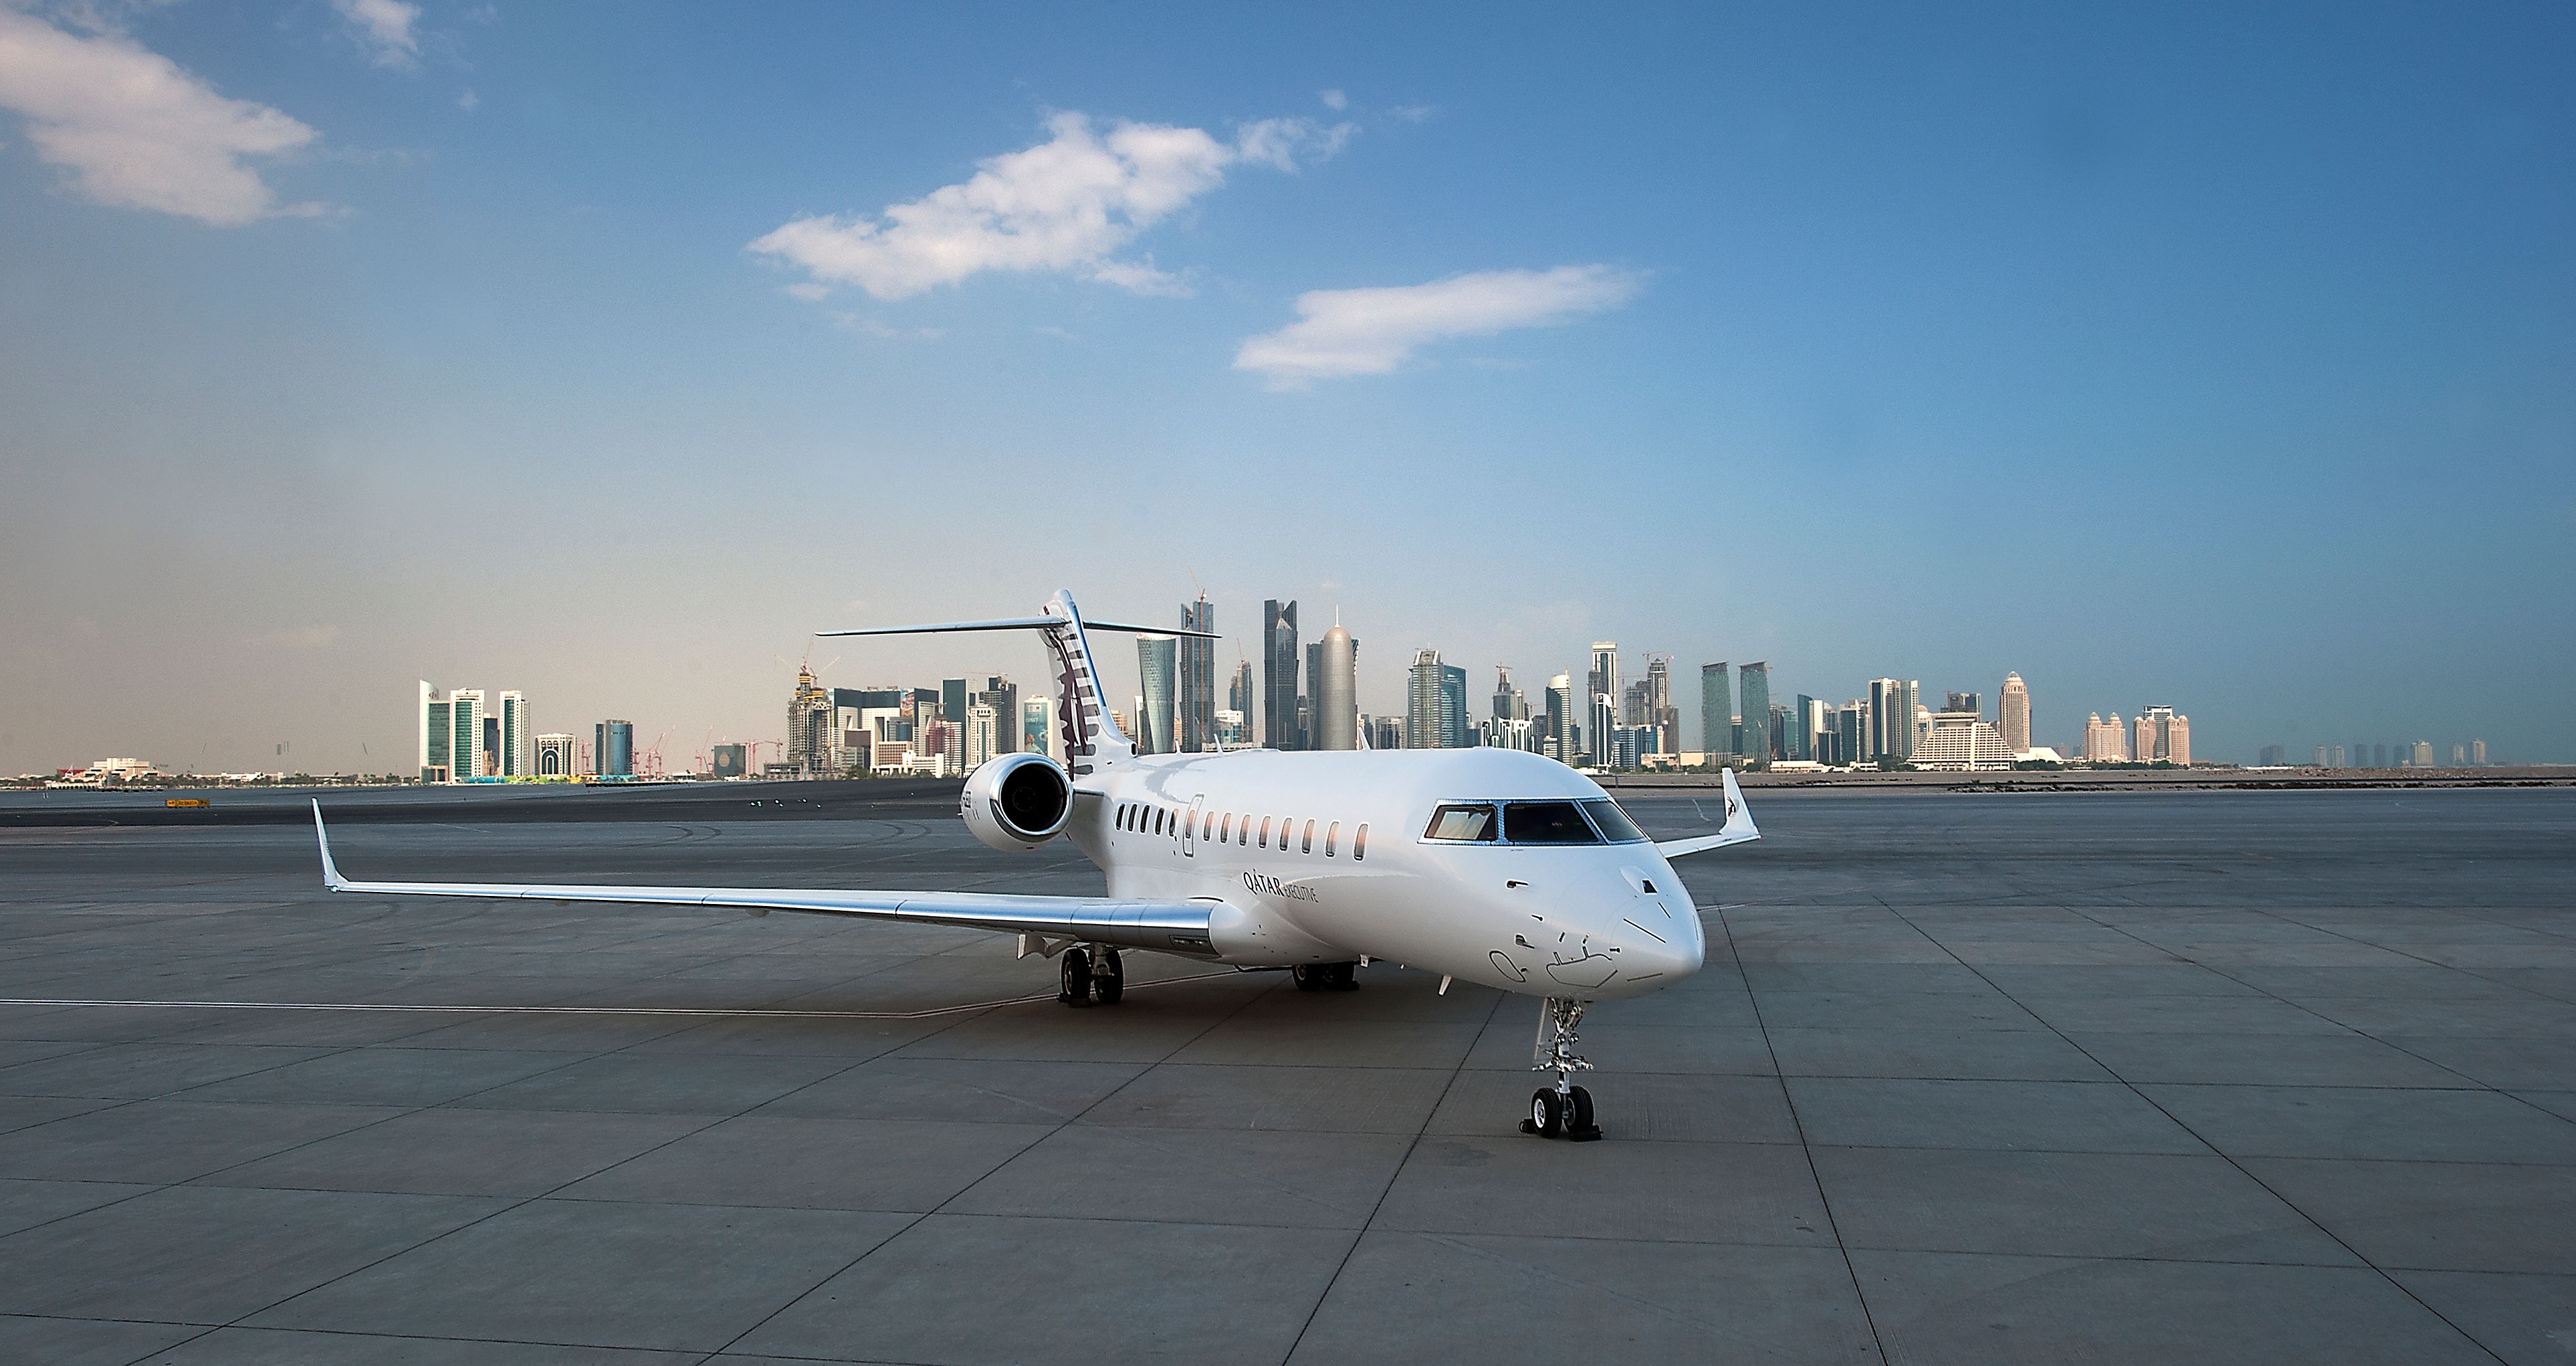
609	353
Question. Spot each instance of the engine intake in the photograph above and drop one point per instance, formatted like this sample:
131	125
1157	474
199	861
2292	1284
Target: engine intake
1017	801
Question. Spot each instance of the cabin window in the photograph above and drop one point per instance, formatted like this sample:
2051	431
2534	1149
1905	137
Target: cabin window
1207	825
1546	823
1307	845
1243	835
1359	841
1612	822
1126	815
1332	836
1162	820
1468	821
1265	832
1225	829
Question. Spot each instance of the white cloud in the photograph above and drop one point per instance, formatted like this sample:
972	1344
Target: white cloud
1334	99
134	130
1067	204
469	101
1373	331
383	28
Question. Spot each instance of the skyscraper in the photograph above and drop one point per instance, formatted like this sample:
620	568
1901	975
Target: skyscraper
1422	726
1561	743
1604	678
2478	753
1037	729
1279	674
1156	666
1003	696
1660	711
518	744
1716	711
432	714
1309	706
1509	705
2014	721
1891	721
1239	693
809	724
1197	663
554	756
466	757
1753	699
613	749
1336	688
1457	726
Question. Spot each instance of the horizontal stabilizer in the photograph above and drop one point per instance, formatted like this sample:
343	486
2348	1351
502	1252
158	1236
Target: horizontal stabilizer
1021	624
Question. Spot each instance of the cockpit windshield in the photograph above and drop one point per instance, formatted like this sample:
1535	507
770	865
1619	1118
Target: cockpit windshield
1462	821
1613	822
1548	822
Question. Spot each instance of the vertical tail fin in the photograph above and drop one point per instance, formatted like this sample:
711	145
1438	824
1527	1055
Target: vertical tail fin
1090	735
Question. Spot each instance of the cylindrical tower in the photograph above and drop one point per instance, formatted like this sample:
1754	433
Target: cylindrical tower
1337	723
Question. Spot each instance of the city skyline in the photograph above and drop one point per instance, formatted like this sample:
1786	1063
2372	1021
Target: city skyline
1873	308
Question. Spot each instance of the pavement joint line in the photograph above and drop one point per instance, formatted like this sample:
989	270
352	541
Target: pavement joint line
2224	1156
685	1012
1860	1296
712	1122
1379	1205
954	1196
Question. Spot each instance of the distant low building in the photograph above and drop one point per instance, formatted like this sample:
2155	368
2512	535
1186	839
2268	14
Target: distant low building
1960	742
555	756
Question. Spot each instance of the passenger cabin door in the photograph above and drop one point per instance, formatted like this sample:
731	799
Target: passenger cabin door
1190	831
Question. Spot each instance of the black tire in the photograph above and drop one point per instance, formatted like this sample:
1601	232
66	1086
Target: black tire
1546	1115
1345	977
1073	977
1307	976
1578	1114
1108	978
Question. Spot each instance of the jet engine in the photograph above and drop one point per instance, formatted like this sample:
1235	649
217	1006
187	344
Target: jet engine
1017	801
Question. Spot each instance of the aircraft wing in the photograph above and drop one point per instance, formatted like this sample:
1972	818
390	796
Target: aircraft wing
1739	828
1169	926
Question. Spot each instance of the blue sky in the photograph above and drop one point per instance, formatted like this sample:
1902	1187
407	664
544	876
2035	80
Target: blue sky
2219	358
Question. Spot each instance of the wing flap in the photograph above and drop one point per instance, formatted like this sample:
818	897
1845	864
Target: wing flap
1166	926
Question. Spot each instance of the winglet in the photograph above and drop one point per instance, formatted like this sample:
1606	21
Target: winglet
1739	828
331	878
1739	817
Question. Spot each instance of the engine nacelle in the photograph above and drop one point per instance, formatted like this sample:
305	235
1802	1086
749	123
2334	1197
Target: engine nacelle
1017	801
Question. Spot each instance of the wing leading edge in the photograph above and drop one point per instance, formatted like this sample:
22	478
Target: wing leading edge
1168	926
1739	828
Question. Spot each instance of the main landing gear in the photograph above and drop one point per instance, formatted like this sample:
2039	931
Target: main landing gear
1565	1110
1087	975
1326	976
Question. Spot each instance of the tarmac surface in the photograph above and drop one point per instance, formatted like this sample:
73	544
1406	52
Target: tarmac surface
2155	1077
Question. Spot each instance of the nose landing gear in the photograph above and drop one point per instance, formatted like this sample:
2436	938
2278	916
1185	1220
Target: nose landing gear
1325	976
1565	1110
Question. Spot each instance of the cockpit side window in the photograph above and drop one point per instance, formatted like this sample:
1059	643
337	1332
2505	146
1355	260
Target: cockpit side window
1613	822
1462	821
1546	823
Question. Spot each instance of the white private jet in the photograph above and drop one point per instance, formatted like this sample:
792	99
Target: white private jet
1483	865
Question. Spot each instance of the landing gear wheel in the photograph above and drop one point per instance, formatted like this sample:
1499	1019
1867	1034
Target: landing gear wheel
1342	976
1546	1115
1307	976
1578	1117
1108	978
1074	978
